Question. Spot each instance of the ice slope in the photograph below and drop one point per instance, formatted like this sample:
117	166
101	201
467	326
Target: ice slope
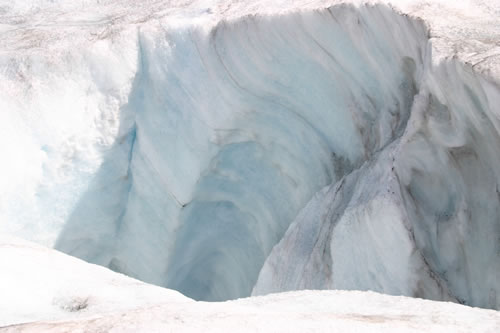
176	141
54	292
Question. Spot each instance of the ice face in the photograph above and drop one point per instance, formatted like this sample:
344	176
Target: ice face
218	158
420	218
190	148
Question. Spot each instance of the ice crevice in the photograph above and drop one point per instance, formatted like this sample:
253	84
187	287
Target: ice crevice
218	144
315	149
248	233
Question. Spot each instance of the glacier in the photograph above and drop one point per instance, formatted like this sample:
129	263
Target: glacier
223	150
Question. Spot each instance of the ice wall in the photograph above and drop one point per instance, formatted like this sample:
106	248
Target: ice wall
228	132
419	219
179	152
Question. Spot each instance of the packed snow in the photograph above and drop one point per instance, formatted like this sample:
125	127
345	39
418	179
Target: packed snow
54	292
234	148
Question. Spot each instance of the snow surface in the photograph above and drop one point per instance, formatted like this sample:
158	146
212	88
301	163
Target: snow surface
54	292
38	283
202	145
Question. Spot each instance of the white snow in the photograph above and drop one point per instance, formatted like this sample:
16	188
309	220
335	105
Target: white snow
38	283
46	291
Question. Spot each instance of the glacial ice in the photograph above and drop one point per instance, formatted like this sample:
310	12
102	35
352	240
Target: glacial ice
324	147
433	194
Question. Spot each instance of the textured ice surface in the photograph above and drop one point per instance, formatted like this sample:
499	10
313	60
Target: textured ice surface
434	196
177	144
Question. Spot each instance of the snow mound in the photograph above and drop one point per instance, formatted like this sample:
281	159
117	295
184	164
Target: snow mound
38	283
39	302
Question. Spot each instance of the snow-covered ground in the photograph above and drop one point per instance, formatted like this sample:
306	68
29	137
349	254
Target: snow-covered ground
47	291
224	148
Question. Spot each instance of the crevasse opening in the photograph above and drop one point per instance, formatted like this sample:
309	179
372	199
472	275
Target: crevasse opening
228	133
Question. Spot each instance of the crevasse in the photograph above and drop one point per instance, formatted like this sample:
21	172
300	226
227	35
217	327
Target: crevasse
233	131
334	119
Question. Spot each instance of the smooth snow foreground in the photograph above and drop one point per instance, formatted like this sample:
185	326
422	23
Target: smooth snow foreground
234	148
46	291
